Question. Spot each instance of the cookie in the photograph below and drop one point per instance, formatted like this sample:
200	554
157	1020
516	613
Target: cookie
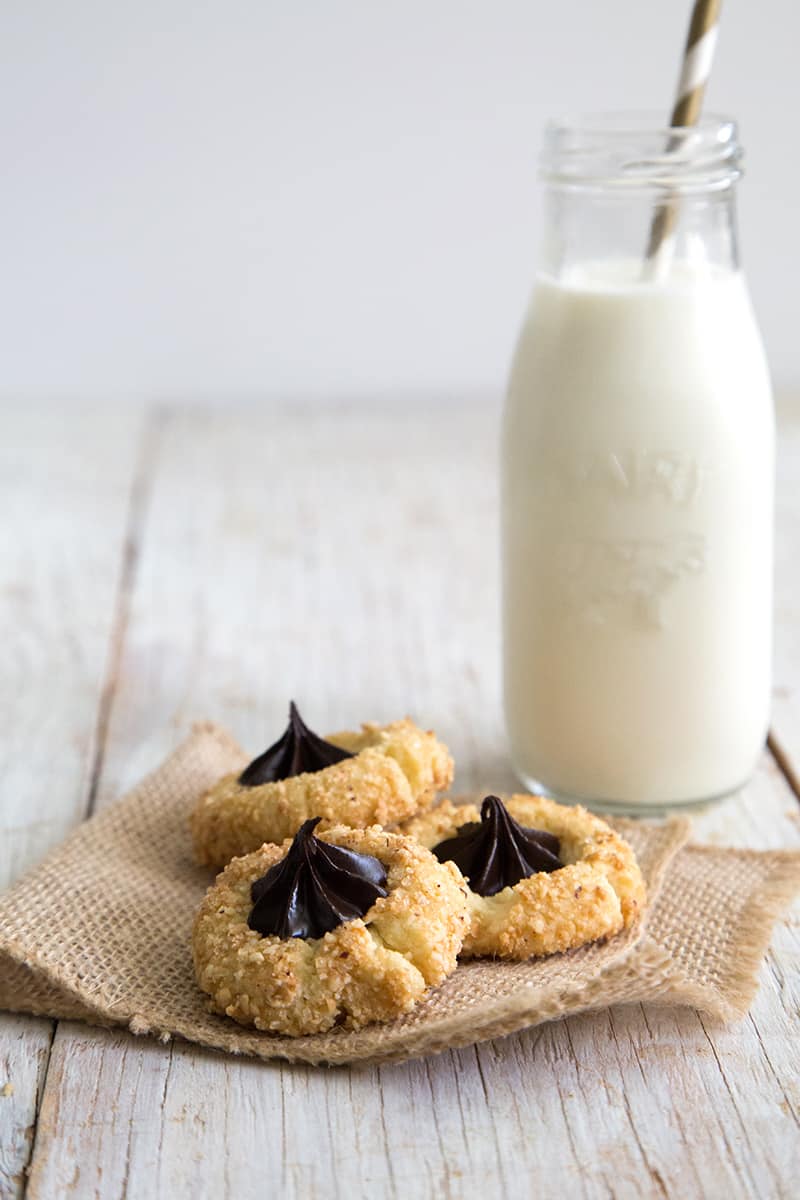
382	775
543	877
351	926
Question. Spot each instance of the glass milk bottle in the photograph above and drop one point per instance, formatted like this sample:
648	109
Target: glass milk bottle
638	480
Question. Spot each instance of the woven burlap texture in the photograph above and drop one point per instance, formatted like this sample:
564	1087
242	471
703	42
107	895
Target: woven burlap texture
100	932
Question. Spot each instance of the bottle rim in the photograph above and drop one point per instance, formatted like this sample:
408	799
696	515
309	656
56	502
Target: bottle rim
635	150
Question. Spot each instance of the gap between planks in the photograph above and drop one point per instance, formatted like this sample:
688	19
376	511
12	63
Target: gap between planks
141	485
784	763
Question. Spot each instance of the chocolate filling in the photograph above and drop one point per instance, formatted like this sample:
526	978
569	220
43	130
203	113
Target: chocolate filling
315	888
298	752
495	852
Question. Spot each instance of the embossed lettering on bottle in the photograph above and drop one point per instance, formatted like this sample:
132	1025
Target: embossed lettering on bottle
625	578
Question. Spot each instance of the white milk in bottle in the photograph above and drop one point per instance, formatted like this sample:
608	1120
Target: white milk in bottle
638	483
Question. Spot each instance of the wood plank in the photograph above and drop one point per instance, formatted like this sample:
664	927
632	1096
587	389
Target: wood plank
730	1094
65	493
347	560
24	1053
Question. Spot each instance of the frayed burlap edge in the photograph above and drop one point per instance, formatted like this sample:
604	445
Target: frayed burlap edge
729	996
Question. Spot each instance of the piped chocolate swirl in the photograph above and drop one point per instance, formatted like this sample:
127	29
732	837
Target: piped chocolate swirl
315	888
298	752
496	852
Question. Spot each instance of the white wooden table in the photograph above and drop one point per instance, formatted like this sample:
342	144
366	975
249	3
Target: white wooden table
162	565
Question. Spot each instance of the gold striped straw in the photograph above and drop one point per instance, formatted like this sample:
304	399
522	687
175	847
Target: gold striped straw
695	70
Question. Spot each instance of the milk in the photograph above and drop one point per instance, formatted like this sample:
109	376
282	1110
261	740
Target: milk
637	530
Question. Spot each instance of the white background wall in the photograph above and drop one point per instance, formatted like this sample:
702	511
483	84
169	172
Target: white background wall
244	197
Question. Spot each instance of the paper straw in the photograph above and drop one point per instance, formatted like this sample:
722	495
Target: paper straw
698	57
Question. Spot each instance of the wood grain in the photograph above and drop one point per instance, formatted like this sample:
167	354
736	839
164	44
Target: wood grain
65	491
346	556
65	495
24	1054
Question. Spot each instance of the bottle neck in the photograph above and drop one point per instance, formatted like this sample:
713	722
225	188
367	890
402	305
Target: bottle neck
595	225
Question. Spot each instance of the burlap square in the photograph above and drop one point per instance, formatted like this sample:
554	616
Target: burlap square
100	932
